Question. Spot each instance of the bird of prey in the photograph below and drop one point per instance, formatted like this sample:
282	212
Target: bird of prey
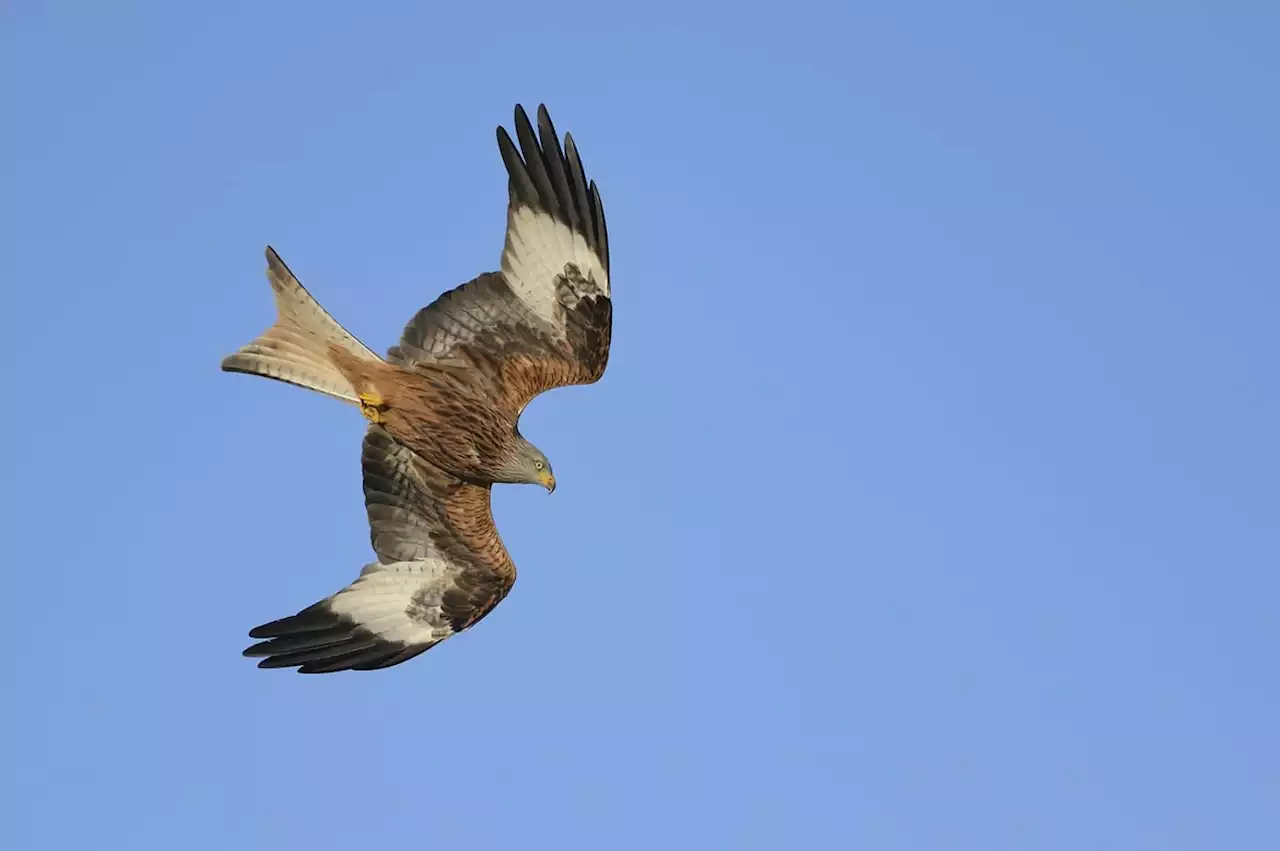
443	409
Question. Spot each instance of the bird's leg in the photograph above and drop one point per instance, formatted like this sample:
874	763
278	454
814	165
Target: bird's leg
372	406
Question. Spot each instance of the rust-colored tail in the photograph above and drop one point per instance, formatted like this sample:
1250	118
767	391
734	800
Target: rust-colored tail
297	349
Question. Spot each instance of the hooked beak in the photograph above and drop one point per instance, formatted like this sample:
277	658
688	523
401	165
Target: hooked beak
549	482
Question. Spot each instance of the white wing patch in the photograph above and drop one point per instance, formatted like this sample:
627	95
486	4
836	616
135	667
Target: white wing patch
413	599
400	601
537	249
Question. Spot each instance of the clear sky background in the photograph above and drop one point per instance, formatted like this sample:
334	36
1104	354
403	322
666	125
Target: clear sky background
930	499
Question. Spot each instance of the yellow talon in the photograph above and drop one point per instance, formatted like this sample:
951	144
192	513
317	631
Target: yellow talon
372	406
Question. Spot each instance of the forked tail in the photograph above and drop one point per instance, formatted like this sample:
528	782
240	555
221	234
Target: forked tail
298	348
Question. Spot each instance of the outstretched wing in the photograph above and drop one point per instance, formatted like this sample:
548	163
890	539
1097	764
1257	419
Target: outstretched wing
441	568
546	319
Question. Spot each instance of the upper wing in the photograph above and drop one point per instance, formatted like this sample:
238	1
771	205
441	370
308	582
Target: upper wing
441	568
546	319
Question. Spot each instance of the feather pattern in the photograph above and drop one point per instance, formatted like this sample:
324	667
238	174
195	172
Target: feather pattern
445	404
546	319
442	567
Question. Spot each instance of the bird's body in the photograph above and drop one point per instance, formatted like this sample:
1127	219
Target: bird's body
443	415
444	407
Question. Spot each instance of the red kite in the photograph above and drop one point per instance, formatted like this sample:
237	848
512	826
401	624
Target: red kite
444	409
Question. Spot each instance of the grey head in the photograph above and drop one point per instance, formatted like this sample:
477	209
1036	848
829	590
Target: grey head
527	465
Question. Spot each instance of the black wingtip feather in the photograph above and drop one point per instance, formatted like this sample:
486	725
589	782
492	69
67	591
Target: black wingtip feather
535	161
355	660
602	230
557	168
318	641
307	620
404	655
521	185
552	179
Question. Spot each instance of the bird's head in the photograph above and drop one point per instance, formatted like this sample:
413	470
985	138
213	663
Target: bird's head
531	466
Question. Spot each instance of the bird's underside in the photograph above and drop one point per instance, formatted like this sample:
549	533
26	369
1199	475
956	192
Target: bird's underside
443	408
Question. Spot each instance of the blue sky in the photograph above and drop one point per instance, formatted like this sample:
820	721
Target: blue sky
929	500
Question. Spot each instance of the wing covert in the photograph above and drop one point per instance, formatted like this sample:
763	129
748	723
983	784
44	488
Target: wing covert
441	568
546	319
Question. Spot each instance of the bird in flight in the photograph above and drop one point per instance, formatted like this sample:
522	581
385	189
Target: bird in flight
443	408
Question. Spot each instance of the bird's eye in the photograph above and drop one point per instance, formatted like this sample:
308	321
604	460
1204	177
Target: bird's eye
538	465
